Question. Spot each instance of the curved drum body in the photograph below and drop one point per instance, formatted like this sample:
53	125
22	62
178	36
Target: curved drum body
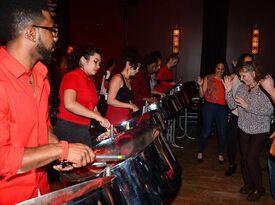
98	191
148	175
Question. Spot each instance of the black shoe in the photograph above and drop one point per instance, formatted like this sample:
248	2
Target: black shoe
231	170
245	189
255	195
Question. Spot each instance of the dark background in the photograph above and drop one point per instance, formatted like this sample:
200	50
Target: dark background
211	29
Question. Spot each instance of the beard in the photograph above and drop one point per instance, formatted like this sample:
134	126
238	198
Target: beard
45	53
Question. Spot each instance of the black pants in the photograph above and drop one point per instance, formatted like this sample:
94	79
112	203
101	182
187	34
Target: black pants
72	132
232	139
251	146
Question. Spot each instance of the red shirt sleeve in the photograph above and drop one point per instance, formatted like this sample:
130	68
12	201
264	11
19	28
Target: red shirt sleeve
70	81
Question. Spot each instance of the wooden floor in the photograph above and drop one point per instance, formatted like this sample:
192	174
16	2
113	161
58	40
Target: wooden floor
205	183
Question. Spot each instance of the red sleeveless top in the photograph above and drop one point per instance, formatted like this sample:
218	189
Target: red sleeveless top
215	90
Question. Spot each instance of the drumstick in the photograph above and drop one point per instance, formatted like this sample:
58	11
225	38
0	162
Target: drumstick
110	157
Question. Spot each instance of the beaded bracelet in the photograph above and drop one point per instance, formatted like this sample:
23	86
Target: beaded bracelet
65	150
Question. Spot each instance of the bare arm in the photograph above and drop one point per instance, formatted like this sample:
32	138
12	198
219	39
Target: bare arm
79	155
202	86
115	84
268	84
39	156
52	136
75	107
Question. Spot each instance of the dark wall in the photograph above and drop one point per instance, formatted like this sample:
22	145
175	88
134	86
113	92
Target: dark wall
99	23
150	28
214	34
243	15
146	24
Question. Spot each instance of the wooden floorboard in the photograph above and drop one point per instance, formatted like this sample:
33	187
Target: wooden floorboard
205	183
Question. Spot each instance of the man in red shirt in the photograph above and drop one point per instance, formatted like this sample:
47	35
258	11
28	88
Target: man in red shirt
165	74
26	140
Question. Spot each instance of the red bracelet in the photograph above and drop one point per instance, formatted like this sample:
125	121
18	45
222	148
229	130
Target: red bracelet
65	150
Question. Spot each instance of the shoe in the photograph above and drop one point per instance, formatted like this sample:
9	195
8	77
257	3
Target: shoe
255	195
231	170
245	189
199	157
220	159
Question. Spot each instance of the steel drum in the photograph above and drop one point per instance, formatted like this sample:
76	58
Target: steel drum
98	191
170	106
191	89
182	96
150	173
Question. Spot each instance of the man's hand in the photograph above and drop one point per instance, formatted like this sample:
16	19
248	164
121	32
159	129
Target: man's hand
80	155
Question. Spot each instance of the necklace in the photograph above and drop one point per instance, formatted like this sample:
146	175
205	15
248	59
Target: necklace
251	88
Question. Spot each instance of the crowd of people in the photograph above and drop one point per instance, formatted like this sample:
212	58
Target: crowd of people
27	146
241	92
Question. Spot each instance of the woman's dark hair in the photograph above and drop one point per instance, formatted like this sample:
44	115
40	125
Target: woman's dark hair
149	59
16	15
251	66
157	54
242	57
132	56
110	62
85	51
226	69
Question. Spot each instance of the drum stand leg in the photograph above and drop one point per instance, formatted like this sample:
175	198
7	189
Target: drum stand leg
171	133
185	134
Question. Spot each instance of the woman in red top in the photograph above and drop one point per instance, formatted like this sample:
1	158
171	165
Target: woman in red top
214	109
78	97
120	94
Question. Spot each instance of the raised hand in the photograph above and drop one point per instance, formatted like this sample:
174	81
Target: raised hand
267	83
200	81
227	83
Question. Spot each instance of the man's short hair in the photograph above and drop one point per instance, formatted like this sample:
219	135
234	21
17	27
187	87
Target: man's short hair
16	15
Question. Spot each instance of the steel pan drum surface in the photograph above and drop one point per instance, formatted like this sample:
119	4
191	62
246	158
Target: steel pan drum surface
150	174
94	192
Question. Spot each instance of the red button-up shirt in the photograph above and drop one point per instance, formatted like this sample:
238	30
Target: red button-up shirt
23	123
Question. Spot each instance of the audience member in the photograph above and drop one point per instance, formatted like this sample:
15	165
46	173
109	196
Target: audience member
214	109
255	110
232	134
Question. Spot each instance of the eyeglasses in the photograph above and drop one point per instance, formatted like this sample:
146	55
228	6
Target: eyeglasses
54	30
